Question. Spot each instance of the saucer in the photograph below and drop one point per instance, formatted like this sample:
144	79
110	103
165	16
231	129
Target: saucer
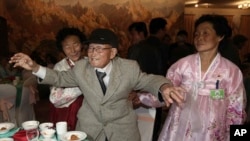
6	127
78	134
6	139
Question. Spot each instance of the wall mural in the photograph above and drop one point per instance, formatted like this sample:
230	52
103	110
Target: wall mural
34	23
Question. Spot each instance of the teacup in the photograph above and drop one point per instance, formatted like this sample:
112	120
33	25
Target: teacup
32	124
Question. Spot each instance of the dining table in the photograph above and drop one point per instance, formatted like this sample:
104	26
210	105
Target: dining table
19	134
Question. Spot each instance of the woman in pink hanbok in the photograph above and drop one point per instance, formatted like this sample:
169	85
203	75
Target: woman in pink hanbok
215	94
65	102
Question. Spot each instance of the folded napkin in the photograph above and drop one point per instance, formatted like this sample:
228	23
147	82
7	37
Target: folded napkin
20	136
10	133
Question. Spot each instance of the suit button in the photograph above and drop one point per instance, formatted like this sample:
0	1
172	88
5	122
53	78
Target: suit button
104	124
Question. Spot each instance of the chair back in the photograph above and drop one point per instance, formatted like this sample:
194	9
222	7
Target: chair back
25	111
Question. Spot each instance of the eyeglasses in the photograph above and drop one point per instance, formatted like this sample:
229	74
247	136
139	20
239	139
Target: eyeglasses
97	49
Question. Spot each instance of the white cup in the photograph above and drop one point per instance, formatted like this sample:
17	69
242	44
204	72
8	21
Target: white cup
61	129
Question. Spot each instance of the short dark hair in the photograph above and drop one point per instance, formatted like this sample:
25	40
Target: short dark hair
66	31
139	27
157	24
220	24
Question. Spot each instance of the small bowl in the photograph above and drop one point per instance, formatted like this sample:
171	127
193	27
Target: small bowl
46	125
32	124
48	133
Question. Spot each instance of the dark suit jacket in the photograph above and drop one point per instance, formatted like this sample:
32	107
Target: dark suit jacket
111	114
151	54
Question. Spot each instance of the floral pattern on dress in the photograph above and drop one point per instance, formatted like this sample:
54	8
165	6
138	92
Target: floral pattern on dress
63	97
201	117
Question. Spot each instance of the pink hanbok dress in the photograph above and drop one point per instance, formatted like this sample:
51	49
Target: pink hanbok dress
65	102
203	117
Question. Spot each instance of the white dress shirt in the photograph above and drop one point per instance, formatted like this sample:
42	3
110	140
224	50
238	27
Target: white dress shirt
107	70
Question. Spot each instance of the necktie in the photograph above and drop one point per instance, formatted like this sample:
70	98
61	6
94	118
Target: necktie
100	76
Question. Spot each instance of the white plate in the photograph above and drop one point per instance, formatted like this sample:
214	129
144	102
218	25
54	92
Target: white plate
79	134
6	127
6	139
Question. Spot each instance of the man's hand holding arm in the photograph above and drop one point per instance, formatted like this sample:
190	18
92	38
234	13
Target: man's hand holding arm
172	94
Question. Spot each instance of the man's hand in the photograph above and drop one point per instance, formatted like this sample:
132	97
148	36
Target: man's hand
172	94
24	61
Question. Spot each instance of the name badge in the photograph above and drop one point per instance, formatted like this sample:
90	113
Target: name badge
217	94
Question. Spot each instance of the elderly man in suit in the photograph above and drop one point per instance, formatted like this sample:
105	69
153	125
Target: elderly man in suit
106	113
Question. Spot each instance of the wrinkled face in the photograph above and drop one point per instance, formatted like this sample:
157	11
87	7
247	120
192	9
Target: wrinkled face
100	54
136	36
205	38
72	47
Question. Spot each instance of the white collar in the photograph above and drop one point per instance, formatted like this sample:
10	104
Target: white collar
106	69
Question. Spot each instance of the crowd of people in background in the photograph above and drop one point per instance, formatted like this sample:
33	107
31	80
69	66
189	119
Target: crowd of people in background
150	53
202	81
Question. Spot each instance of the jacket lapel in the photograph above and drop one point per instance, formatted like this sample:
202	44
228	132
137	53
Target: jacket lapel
114	80
93	82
